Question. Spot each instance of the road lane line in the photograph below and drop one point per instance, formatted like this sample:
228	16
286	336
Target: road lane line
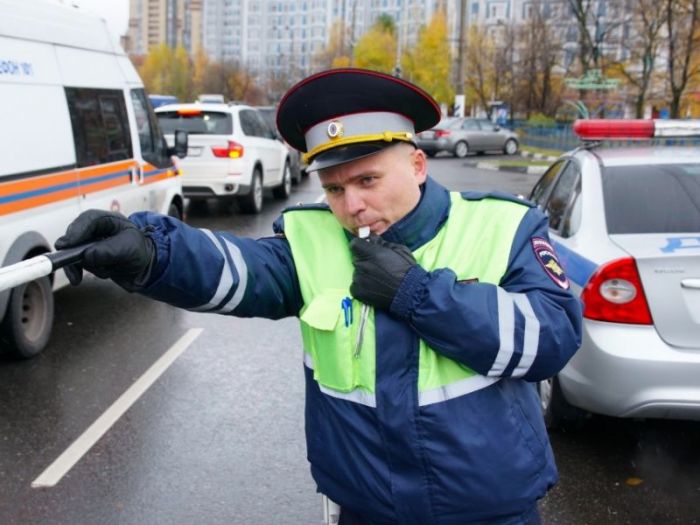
321	198
54	472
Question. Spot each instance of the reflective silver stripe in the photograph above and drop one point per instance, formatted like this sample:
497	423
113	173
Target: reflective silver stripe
225	282
531	338
506	332
242	269
356	396
456	389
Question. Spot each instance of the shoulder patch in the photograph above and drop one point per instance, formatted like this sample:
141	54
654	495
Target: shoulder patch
500	195
548	259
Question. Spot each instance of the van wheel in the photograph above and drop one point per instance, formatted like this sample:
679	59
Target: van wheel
556	410
253	202
285	188
174	211
28	321
461	149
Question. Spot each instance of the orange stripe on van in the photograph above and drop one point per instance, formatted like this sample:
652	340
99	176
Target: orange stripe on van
54	187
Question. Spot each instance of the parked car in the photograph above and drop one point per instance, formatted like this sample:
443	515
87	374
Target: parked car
211	98
161	100
269	113
232	153
461	136
626	225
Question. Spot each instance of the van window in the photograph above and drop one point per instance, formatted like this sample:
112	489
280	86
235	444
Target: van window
153	147
100	125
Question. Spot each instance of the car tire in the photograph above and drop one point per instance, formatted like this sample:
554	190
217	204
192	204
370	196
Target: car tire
26	328
461	149
430	153
558	414
284	190
511	147
252	203
297	175
174	211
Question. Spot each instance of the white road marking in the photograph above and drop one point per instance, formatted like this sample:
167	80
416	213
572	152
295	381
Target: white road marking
54	472
321	198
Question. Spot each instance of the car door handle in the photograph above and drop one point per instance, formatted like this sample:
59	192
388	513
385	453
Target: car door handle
691	283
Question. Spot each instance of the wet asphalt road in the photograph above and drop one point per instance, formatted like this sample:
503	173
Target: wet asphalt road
218	438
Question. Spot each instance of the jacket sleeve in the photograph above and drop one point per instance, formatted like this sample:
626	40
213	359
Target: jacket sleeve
218	272
528	326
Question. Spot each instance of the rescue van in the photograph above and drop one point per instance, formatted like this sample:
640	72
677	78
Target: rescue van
77	132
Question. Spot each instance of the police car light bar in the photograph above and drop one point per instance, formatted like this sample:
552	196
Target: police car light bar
635	129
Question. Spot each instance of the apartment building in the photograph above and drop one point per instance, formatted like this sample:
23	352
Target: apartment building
274	38
173	22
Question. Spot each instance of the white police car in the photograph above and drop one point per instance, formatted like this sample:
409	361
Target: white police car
625	222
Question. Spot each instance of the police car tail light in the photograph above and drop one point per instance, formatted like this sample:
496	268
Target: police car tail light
634	129
615	294
233	150
189	112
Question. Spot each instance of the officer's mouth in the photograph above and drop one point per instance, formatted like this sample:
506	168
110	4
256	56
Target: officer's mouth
376	228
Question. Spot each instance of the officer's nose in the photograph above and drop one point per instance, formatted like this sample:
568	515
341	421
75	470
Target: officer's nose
354	203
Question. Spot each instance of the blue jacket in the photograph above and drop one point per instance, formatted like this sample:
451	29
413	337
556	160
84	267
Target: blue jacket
480	458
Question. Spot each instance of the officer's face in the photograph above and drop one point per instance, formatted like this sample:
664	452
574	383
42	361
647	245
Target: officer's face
377	190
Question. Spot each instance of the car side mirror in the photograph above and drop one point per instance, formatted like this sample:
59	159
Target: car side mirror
181	142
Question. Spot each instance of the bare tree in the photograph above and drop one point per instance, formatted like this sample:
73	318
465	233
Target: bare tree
540	48
681	20
594	30
643	46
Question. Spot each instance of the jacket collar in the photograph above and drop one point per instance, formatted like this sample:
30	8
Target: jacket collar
424	221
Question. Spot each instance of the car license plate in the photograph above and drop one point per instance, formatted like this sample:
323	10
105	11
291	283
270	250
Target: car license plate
427	135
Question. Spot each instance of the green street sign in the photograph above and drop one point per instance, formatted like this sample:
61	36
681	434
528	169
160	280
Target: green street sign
593	79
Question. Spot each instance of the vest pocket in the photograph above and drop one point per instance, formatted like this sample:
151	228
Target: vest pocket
331	343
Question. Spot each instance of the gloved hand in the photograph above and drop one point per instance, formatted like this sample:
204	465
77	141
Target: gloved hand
380	266
123	253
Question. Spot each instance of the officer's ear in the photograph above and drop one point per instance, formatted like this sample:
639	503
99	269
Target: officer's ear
420	165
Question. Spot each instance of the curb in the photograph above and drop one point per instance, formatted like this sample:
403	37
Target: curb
537	156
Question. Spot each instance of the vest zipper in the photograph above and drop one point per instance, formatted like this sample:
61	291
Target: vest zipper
361	330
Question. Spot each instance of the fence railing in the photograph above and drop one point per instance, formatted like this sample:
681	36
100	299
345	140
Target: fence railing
562	138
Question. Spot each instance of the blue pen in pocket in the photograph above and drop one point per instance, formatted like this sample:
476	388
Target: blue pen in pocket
346	305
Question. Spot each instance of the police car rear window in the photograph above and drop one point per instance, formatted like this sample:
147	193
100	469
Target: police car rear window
203	123
652	199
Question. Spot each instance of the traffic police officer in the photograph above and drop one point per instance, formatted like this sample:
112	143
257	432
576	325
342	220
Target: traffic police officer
421	342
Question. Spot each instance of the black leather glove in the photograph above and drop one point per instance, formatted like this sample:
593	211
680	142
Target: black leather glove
122	252
380	266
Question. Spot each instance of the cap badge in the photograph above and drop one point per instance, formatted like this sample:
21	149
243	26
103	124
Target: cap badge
335	129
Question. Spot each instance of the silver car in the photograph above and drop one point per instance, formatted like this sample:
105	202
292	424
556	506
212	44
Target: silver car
625	223
461	136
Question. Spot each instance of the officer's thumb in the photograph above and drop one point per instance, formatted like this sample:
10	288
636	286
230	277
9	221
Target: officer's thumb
74	272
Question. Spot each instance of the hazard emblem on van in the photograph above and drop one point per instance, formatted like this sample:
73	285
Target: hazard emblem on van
548	259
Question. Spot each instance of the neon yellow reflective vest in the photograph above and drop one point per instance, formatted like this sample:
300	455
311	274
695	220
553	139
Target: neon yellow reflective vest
474	242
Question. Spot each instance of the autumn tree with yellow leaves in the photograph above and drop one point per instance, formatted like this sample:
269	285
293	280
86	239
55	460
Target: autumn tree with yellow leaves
429	63
376	49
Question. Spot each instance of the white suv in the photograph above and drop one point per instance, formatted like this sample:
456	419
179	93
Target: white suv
232	152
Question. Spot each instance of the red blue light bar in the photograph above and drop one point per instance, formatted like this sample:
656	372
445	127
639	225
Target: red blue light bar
635	129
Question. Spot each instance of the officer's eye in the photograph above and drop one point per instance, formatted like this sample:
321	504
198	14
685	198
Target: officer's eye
333	190
368	180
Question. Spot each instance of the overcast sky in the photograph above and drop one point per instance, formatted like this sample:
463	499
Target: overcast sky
116	12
